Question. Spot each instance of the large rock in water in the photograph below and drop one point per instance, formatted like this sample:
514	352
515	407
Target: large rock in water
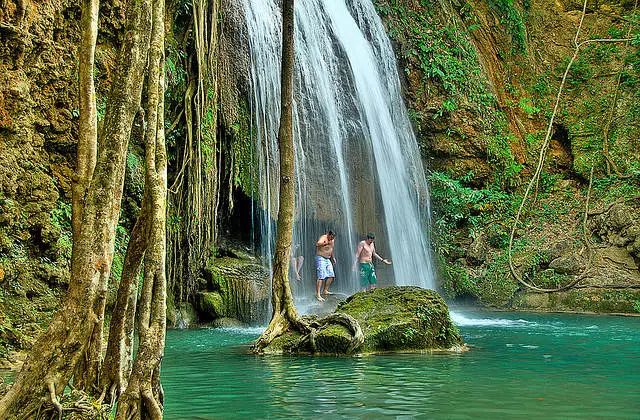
392	319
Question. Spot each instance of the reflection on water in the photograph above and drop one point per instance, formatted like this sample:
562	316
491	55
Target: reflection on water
521	366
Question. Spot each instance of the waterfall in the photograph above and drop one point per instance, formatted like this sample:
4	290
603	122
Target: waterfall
358	166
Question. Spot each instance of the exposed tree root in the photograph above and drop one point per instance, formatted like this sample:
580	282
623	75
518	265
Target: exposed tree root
357	337
54	398
280	325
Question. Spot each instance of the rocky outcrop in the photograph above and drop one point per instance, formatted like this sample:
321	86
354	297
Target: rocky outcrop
478	250
402	319
619	226
235	286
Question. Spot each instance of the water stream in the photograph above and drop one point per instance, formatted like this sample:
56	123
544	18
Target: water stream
358	167
521	366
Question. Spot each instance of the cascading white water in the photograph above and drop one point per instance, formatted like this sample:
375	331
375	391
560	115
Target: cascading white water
358	167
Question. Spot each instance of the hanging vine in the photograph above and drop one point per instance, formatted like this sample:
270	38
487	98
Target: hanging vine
610	164
194	194
541	158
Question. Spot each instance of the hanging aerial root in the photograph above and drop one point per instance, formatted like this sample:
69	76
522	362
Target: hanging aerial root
54	398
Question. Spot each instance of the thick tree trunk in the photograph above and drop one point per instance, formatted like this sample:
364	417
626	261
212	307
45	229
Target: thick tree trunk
87	126
284	311
56	353
87	146
118	360
143	397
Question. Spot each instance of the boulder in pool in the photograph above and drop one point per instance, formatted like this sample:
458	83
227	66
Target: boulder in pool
392	319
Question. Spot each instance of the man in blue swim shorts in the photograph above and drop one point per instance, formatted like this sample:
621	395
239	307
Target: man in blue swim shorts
324	264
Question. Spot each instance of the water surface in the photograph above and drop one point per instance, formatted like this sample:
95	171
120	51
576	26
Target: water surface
550	366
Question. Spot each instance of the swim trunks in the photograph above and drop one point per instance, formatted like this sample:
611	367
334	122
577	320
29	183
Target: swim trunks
367	274
324	268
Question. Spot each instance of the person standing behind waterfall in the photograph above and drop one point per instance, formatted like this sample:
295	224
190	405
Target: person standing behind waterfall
296	260
324	266
365	253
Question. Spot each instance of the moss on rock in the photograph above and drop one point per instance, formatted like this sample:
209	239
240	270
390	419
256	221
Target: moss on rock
210	305
237	286
392	319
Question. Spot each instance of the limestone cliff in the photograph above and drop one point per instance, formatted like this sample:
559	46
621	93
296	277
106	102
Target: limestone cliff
481	83
479	79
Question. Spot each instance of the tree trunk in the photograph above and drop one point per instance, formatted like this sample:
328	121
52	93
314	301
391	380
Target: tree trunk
284	312
86	151
54	356
143	397
88	121
118	358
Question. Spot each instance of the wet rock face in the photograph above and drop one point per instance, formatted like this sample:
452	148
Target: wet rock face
38	134
569	264
235	286
478	250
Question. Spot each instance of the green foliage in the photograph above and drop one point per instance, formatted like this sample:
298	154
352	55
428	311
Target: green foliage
425	312
548	278
408	335
101	106
581	71
512	19
244	170
120	250
507	173
456	280
495	287
61	220
457	205
542	85
444	54
612	188
135	169
526	105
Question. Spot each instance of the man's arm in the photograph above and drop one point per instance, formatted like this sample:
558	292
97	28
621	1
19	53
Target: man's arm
357	256
384	260
358	252
322	241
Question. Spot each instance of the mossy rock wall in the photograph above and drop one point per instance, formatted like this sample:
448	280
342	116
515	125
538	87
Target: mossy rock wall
582	300
481	80
237	287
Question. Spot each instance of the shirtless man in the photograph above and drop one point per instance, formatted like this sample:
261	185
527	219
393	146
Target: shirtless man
366	251
324	266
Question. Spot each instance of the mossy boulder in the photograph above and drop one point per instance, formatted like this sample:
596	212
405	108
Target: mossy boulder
404	319
210	304
235	286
